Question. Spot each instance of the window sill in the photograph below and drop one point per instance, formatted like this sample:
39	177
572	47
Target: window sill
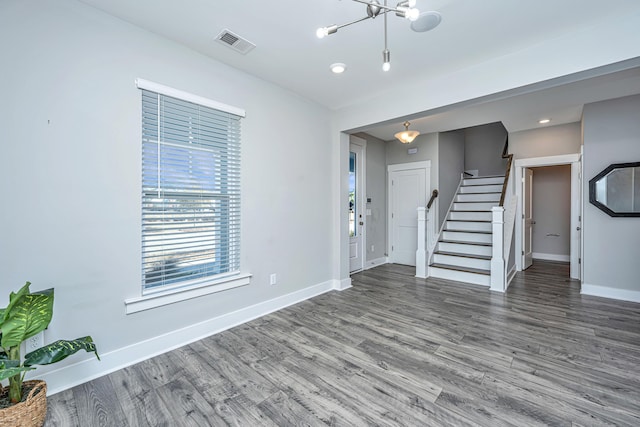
146	302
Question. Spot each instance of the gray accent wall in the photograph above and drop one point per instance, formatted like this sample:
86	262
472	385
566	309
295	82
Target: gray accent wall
552	211
483	149
611	132
427	145
546	141
451	162
376	182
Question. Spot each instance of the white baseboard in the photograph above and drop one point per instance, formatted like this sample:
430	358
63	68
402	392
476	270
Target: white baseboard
71	375
551	257
613	293
376	262
341	285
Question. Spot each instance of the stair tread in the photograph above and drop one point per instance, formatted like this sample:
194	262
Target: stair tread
469	220
488	176
463	269
484	257
467	231
453	210
464	242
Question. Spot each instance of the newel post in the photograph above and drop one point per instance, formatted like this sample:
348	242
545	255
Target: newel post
497	258
421	252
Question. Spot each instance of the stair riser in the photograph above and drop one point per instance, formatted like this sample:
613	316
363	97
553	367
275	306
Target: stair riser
461	248
466	237
481	189
468	226
474	206
484	181
460	276
470	216
458	261
491	197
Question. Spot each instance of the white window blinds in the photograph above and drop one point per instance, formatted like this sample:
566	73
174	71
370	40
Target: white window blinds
190	192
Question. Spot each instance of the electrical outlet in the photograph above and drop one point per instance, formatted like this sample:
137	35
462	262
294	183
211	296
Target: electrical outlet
35	342
272	279
373	248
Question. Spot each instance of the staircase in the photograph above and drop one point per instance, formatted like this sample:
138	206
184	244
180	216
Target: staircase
464	248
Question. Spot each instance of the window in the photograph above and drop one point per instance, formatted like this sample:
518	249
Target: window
190	189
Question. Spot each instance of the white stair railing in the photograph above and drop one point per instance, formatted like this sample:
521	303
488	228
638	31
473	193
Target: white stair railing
502	224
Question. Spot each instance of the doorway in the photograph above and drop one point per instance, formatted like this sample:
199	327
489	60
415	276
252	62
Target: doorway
525	226
407	188
357	199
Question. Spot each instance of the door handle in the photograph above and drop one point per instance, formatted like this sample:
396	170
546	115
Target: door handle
578	228
361	223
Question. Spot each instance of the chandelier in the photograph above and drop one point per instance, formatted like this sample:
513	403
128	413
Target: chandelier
407	136
405	9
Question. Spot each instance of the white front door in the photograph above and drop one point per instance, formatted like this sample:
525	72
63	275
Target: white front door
527	219
408	189
356	205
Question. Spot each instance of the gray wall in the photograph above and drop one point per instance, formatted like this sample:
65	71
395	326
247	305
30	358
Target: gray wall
611	245
546	141
483	149
376	180
71	161
451	165
427	145
552	211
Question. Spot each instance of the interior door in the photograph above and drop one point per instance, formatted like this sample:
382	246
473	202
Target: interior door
408	192
356	207
527	219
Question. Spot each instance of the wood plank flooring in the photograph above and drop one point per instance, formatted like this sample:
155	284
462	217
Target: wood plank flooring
393	350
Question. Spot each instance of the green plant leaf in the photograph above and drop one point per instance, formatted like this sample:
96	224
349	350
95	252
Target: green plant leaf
59	350
9	368
26	315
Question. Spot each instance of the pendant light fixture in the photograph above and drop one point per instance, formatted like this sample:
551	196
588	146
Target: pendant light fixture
407	136
404	9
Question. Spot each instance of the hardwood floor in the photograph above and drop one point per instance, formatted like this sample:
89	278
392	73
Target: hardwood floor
393	350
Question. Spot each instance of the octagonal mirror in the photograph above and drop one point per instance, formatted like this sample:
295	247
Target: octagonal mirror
616	190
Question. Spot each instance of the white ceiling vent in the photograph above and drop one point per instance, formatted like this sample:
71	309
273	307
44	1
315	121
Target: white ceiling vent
235	42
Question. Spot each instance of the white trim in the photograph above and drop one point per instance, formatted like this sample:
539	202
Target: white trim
547	161
78	373
341	285
551	257
607	292
145	302
361	187
376	262
425	164
190	97
520	165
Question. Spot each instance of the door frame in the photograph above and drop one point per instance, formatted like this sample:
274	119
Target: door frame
574	160
426	165
361	200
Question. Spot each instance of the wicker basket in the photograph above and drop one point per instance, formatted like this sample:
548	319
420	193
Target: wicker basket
31	412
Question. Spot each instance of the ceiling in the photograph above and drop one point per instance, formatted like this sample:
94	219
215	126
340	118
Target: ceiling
289	54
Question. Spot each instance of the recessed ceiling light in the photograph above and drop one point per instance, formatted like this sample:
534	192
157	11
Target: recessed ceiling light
544	121
338	67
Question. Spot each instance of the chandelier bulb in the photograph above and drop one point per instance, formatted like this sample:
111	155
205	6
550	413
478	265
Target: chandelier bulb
386	60
321	32
386	66
413	14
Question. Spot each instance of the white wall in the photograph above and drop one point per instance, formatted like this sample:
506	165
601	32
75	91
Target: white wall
611	245
552	212
546	141
70	176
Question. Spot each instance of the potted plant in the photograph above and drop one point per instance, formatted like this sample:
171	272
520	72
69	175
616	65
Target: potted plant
28	314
